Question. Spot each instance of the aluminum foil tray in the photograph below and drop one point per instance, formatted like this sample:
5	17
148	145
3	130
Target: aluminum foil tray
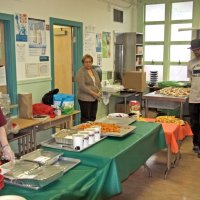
53	144
117	120
34	176
64	136
66	163
42	157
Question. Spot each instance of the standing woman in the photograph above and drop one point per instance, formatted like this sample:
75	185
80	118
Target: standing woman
89	90
5	147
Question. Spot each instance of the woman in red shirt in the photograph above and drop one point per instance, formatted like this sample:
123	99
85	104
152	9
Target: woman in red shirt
5	147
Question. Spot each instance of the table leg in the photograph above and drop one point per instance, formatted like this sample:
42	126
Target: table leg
31	141
181	110
23	145
34	138
169	165
148	169
28	143
178	155
146	108
19	146
125	104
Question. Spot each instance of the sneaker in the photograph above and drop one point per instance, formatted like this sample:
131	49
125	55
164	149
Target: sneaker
196	149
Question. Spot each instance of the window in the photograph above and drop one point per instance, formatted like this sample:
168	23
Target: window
182	10
177	35
154	33
155	12
166	48
153	53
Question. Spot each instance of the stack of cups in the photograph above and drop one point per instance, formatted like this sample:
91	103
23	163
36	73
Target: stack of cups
97	132
85	138
78	140
91	134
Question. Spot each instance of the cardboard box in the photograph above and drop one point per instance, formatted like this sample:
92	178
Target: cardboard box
135	80
120	108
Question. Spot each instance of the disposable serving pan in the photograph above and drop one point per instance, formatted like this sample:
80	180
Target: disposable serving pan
64	136
36	178
124	130
32	175
53	144
42	157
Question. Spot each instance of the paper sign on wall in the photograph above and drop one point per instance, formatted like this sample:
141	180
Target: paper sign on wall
106	44
21	24
37	37
2	76
37	70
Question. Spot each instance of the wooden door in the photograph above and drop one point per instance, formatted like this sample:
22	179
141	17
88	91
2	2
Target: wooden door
63	59
3	87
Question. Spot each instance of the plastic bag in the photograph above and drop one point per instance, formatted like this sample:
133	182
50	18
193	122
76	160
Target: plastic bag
65	102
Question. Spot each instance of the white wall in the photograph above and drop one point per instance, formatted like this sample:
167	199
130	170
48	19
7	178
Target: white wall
90	12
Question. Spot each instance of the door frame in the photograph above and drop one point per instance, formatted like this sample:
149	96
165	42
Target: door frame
10	56
77	49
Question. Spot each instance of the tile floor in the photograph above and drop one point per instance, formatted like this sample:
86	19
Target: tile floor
182	183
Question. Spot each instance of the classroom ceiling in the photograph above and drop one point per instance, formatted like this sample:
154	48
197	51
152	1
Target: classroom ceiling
121	3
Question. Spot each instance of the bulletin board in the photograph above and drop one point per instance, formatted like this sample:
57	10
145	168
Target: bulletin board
32	54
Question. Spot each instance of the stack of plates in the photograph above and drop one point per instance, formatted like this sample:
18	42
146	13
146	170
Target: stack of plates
153	77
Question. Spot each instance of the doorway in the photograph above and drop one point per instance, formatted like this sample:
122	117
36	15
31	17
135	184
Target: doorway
3	82
8	59
77	52
63	54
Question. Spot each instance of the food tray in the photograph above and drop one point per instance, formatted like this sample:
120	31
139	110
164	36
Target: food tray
53	144
64	136
124	130
42	157
118	120
38	177
117	115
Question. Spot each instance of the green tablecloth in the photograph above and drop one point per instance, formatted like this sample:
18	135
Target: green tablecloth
102	167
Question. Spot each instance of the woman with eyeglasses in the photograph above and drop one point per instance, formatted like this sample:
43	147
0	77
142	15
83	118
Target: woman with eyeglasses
89	89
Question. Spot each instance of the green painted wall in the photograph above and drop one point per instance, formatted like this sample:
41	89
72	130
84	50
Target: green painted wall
38	87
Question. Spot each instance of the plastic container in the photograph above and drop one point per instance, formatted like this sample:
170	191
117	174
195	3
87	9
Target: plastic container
64	136
1	182
65	102
134	107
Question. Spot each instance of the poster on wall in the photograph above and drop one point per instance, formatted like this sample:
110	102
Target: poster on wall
32	70
99	59
36	37
98	42
2	76
106	44
44	69
90	41
21	26
21	52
